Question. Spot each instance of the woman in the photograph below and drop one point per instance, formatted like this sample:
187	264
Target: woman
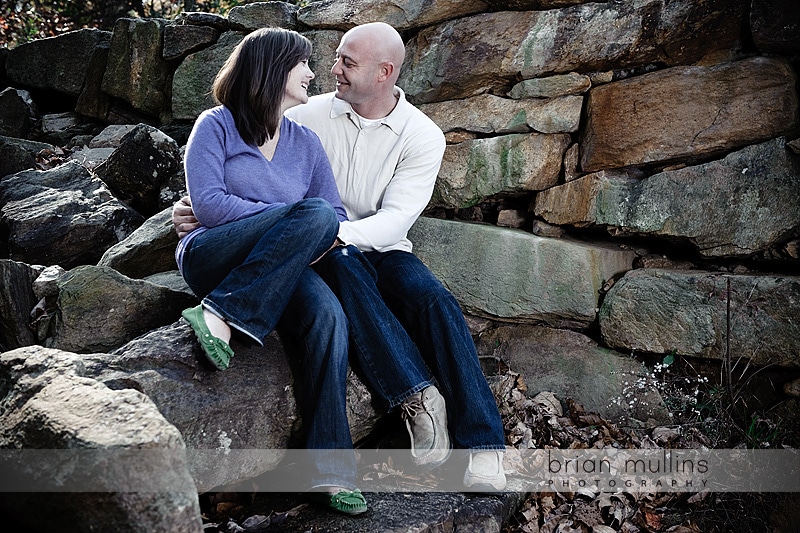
263	190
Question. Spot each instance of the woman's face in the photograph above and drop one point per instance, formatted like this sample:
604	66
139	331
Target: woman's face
296	91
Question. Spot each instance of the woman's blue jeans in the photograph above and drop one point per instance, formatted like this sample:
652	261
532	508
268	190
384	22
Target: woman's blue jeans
254	272
246	271
407	330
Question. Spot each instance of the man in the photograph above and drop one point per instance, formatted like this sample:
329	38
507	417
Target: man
385	155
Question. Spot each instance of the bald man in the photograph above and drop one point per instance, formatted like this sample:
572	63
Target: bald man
409	338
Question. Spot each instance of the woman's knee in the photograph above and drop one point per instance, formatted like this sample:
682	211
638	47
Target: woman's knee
320	210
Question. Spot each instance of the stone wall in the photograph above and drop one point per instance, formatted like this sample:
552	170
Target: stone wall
620	177
585	140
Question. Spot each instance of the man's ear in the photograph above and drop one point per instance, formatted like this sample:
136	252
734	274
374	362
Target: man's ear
385	71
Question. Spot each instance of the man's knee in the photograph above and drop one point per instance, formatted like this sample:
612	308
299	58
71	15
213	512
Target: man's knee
347	263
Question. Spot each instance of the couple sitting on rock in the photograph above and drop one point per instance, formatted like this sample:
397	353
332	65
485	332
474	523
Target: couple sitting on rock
302	209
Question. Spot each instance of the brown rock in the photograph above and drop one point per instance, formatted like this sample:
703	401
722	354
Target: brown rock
688	112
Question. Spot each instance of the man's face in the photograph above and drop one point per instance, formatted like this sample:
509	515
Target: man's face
355	71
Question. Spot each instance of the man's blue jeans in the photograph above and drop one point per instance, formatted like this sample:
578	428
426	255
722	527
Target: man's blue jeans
406	331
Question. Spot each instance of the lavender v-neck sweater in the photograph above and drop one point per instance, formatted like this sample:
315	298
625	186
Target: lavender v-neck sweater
229	180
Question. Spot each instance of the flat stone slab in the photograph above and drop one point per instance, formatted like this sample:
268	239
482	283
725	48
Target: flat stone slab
513	275
658	311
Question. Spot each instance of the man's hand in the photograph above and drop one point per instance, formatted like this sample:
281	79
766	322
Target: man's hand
183	217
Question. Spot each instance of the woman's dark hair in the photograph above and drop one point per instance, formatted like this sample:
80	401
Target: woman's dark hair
252	81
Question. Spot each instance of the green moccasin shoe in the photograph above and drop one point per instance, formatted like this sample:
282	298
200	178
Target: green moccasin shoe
345	502
217	351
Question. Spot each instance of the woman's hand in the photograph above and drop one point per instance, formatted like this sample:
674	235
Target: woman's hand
183	217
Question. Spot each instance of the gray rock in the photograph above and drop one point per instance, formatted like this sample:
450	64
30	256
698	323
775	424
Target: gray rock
197	18
148	250
687	112
140	167
99	309
420	512
58	63
256	15
82	429
552	86
658	311
775	25
251	405
172	280
736	206
91	158
471	171
93	102
136	72
62	216
191	83
323	55
17	155
61	128
488	52
571	365
343	15
183	39
492	114
515	276
111	136
16	302
17	112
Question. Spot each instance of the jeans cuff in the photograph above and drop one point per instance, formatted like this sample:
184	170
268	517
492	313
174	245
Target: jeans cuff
329	482
487	448
394	402
212	308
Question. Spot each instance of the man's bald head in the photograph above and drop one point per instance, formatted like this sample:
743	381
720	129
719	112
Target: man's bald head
380	41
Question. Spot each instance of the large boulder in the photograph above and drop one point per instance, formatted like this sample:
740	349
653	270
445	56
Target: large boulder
252	16
476	169
148	250
687	112
693	313
736	206
140	167
489	52
345	14
70	433
491	114
93	102
99	309
57	63
137	71
191	83
571	365
250	407
181	40
515	276
62	216
17	301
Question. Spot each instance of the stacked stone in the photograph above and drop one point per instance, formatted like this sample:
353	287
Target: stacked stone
630	166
